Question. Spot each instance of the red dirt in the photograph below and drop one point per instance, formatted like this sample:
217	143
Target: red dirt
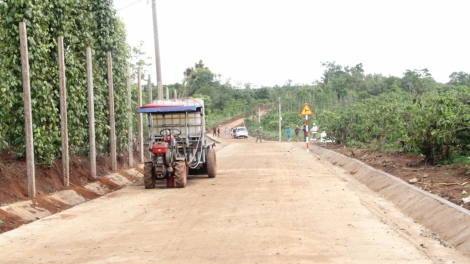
13	182
10	221
449	182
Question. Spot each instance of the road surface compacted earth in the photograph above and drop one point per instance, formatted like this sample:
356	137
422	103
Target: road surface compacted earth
272	202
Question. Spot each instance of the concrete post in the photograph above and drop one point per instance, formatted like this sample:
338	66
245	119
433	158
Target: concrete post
129	129
112	123
63	113
28	123
91	113
141	134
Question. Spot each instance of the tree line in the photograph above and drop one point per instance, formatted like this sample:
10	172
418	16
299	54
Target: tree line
413	113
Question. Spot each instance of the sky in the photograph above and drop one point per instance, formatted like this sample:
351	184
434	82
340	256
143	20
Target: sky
268	42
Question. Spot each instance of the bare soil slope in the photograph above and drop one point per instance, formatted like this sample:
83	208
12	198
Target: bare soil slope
449	182
13	183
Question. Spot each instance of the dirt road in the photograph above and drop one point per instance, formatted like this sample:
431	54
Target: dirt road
270	203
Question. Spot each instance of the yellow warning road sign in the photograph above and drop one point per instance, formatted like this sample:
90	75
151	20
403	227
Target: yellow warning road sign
306	111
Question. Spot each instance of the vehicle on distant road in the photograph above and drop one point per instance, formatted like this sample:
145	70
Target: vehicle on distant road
240	132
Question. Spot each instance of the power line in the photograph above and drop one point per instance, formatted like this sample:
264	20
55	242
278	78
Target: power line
128	5
141	11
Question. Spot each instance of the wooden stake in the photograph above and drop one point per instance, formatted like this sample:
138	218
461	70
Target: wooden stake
28	123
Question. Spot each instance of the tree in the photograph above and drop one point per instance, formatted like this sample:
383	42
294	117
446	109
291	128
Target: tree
201	79
261	93
460	78
355	80
343	79
417	81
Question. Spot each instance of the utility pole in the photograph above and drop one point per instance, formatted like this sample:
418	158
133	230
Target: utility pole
280	119
157	52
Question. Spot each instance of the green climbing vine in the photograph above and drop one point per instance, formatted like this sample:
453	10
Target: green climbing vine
82	23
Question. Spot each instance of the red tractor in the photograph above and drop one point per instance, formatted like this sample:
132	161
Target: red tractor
177	142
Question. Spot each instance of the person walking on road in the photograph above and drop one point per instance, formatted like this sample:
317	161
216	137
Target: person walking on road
226	132
288	133
214	132
314	131
258	134
218	132
297	130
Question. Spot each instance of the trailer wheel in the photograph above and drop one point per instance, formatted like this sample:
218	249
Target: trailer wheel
149	180
211	163
181	174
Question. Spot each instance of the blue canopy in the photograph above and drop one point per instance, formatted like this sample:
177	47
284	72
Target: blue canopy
168	109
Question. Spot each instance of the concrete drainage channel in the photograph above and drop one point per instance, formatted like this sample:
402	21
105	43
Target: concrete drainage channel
32	210
448	220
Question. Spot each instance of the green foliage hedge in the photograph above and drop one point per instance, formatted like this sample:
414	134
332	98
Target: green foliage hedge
82	23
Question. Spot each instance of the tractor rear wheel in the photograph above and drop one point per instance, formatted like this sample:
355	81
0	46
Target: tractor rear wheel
211	163
149	180
181	174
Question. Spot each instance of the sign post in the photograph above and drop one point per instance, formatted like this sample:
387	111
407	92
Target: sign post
306	111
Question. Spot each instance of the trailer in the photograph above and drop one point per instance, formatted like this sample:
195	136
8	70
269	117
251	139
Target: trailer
177	142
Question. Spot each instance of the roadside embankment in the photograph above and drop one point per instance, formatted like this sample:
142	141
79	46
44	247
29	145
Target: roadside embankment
447	220
23	212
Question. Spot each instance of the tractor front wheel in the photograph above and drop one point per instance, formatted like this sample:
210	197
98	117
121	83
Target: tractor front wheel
181	174
149	180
